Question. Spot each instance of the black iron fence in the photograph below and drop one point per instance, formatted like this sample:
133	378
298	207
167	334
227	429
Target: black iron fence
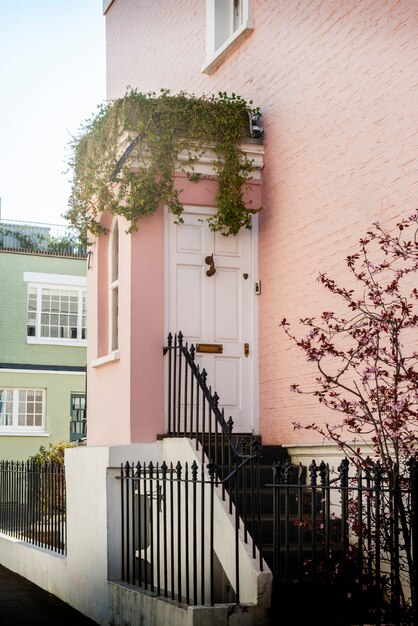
171	544
32	503
353	541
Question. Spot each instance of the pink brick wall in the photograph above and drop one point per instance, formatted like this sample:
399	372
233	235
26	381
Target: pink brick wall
336	82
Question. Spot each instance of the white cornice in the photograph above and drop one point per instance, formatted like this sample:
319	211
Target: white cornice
253	149
55	279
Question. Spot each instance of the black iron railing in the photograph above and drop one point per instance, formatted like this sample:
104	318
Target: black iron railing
169	535
193	408
354	538
39	238
32	503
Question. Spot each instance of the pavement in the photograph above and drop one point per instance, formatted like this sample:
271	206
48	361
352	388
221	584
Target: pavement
23	603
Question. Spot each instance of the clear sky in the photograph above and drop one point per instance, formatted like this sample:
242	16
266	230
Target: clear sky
52	77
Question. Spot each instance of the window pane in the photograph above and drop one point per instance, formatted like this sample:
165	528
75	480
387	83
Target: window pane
114	313
115	253
30	407
223	21
6	407
32	299
32	302
238	14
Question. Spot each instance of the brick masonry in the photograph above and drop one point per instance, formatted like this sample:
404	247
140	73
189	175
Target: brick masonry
336	83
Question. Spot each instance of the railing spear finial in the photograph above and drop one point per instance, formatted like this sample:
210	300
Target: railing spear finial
343	472
178	470
313	472
211	467
287	473
194	469
323	472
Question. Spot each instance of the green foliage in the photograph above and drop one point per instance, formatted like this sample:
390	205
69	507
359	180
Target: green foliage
164	126
29	240
25	240
68	244
53	454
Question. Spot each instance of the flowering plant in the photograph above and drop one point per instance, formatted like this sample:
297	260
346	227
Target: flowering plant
367	365
367	360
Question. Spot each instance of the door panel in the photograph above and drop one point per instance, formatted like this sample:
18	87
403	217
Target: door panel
189	238
228	246
227	377
189	300
227	305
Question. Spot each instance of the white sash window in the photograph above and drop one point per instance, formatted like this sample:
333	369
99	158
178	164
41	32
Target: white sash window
56	309
227	23
22	409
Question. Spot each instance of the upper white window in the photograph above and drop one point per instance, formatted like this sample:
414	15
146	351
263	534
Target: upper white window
22	409
114	287
227	23
56	311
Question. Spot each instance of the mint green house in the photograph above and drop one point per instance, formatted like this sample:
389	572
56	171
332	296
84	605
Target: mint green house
42	338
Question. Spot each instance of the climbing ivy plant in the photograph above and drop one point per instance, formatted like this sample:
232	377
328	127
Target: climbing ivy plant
161	127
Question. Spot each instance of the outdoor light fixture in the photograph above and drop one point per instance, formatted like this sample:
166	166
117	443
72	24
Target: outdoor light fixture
256	131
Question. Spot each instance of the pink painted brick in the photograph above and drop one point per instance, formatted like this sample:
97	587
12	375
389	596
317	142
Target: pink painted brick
336	82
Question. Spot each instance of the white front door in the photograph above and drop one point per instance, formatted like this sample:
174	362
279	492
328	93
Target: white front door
215	309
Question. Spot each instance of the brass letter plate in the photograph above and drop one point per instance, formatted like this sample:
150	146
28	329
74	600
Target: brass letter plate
210	347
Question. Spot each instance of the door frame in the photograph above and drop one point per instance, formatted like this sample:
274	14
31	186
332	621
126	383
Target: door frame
253	311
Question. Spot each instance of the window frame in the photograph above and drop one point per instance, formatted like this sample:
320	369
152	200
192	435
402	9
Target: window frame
14	428
216	55
58	282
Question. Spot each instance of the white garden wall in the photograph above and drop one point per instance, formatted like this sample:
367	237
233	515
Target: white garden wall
93	537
